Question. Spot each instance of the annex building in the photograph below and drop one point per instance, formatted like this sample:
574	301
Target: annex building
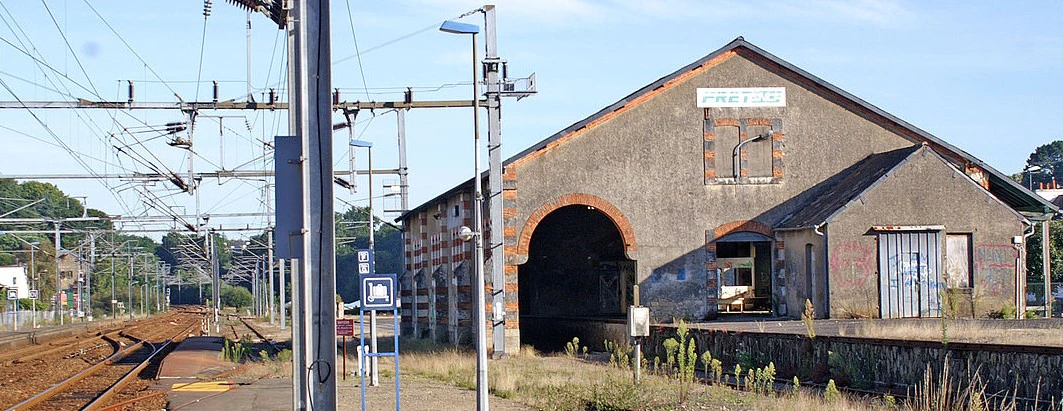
737	183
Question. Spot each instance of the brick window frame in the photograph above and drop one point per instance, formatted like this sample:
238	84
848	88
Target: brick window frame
712	157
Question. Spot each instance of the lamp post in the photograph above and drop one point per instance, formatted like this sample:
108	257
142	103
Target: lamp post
1029	170
469	234
374	377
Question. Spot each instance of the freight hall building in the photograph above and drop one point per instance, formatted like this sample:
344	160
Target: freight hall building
737	183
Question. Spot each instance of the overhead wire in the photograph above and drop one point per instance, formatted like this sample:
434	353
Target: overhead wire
43	64
88	120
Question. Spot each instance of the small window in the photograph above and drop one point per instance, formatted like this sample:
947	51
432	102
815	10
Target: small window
743	151
456	211
958	260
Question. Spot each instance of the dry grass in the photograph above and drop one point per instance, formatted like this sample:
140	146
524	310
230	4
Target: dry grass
563	383
960	331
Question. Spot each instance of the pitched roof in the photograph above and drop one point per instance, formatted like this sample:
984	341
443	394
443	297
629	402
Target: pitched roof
1000	185
834	194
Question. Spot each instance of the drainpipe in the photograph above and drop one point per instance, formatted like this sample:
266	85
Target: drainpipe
1020	272
734	153
826	269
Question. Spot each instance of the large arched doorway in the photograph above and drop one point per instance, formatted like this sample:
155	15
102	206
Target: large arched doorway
577	279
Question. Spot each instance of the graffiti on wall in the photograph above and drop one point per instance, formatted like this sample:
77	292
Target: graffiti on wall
853	264
994	264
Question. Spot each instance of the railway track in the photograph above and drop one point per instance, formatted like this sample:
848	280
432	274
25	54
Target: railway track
241	327
106	372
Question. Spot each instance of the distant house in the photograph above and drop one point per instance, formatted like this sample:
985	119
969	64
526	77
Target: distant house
739	182
14	277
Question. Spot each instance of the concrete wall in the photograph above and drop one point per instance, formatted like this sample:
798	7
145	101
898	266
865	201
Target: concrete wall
794	284
923	191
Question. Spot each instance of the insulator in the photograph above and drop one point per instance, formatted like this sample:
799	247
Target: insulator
336	97
215	91
206	8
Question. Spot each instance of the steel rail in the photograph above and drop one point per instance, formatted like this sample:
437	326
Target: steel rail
119	354
20	355
113	390
271	343
58	388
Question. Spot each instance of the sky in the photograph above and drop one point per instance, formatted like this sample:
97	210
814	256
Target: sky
981	75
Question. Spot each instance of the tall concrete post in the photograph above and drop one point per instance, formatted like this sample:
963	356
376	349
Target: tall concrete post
492	65
311	90
269	258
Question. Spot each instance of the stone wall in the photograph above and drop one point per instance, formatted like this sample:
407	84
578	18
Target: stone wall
1029	372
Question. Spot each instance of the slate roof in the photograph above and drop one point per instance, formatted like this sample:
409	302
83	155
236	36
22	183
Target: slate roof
1000	185
832	195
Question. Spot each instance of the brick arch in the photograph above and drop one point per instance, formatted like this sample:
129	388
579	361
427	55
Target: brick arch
741	225
614	214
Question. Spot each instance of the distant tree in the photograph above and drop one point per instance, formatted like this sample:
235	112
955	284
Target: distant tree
352	233
1050	158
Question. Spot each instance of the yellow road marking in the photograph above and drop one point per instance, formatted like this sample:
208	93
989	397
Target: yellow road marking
211	386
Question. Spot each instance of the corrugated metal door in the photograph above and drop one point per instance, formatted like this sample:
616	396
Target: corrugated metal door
909	265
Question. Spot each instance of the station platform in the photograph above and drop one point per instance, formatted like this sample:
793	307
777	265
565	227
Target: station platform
195	357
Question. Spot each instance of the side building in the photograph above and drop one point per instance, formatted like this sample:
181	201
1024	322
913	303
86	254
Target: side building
737	183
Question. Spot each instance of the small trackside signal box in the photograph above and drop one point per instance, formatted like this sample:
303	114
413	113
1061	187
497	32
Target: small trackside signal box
638	321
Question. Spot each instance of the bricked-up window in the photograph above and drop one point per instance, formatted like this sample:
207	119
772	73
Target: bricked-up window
758	158
958	260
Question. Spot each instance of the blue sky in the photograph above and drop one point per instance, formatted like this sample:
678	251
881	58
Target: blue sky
980	75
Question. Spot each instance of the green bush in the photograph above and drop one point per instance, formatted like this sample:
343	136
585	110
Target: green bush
831	393
235	296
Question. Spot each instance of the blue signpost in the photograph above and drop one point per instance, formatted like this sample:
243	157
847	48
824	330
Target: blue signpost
380	292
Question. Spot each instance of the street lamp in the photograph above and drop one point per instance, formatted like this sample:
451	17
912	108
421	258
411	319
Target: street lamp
454	27
374	376
1029	170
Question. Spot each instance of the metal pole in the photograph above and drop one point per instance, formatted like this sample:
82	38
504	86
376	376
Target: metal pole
249	95
88	277
404	185
58	289
1046	267
254	290
374	379
494	153
215	281
114	297
477	219
281	282
313	112
144	296
33	278
269	294
129	288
